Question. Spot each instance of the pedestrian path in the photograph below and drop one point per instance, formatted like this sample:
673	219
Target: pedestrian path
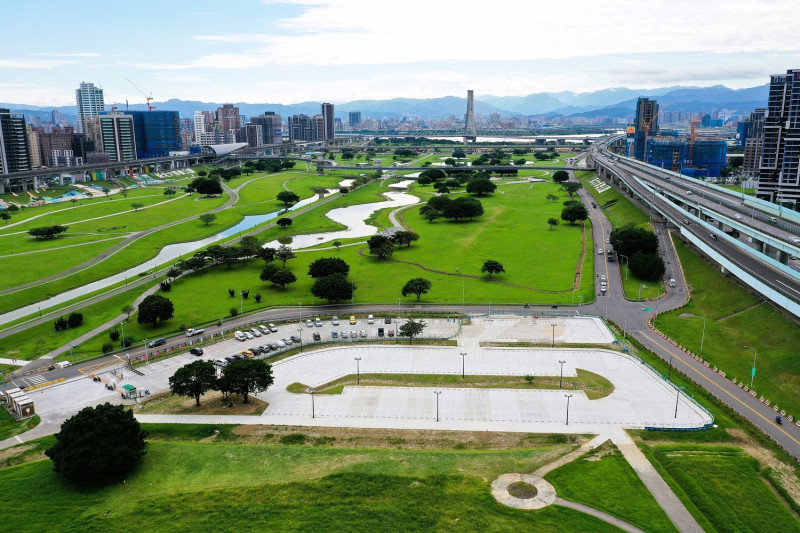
18	362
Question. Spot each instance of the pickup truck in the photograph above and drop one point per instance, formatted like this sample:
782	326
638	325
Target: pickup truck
192	332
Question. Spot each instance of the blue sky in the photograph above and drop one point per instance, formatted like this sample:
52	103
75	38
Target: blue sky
341	50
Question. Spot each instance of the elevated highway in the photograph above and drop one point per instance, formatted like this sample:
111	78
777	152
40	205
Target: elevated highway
746	242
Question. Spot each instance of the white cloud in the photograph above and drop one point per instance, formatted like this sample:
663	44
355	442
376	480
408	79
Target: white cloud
77	54
33	64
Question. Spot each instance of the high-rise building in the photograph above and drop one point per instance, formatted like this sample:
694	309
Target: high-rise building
33	147
119	140
328	130
354	119
199	124
254	135
54	145
90	103
14	148
305	128
645	124
271	128
228	119
779	172
56	117
754	143
157	133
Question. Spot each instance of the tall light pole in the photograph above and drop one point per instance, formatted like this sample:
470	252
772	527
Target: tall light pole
642	286
300	331
437	393
561	377
358	371
554	334
669	375
568	396
753	371
463	356
703	335
677	397
627	265
312	391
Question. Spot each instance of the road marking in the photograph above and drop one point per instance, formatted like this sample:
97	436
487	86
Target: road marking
787	286
723	389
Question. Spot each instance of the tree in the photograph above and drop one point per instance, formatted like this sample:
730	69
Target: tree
458	153
283	278
208	218
434	174
571	187
325	266
173	272
98	444
574	212
196	262
492	267
463	207
47	232
207	186
481	186
169	192
128	310
75	319
334	287
418	286
424	180
107	347
284	222
194	380
337	244
429	213
202	173
450	162
520	162
154	309
411	329
61	324
560	176
630	240
248	376
553	222
114	335
4	215
401	238
552	197
269	270
288	197
381	246
283	254
647	266
136	205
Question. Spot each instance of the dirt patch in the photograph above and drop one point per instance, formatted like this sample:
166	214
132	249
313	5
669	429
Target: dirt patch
15	450
211	403
522	490
765	457
686	315
404	439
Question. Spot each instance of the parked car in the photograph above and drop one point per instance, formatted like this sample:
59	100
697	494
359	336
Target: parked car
264	329
255	349
295	339
318	322
281	344
255	332
345	335
157	342
352	319
195	351
387	320
380	332
334	334
370	319
363	333
353	334
317	336
287	342
249	335
194	331
335	321
265	348
220	362
309	324
391	333
272	328
274	345
231	358
239	336
247	353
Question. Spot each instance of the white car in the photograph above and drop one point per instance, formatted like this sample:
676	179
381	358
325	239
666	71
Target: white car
272	328
335	321
280	344
248	335
239	336
264	329
309	324
599	251
370	319
255	332
345	334
363	333
318	322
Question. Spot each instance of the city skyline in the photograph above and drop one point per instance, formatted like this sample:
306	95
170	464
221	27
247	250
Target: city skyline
305	50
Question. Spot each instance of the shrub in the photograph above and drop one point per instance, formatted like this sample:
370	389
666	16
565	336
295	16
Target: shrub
114	334
75	319
61	324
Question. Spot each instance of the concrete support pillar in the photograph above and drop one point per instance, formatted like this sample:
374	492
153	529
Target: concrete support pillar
783	257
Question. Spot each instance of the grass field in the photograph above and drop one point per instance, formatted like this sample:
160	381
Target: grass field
9	427
735	318
721	486
603	479
188	486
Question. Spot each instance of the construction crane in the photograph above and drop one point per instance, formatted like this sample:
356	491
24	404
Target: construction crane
692	139
148	98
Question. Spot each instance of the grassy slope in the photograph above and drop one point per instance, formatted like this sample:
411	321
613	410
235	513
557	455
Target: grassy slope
186	487
735	318
603	479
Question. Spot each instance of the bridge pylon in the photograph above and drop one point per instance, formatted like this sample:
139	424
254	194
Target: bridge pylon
470	128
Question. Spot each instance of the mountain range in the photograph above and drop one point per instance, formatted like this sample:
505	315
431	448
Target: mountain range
618	102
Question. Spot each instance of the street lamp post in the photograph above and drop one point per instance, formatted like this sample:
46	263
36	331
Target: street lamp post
669	375
300	331
627	265
568	396
312	391
463	356
642	286
561	376
358	371
437	393
678	397
554	334
753	371
703	335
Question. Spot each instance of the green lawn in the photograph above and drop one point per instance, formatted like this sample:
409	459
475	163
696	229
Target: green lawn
722	486
735	318
190	487
603	479
9	427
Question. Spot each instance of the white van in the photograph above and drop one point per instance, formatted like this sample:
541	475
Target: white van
239	336
774	220
370	319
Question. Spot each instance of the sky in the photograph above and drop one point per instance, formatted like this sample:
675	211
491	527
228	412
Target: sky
284	52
